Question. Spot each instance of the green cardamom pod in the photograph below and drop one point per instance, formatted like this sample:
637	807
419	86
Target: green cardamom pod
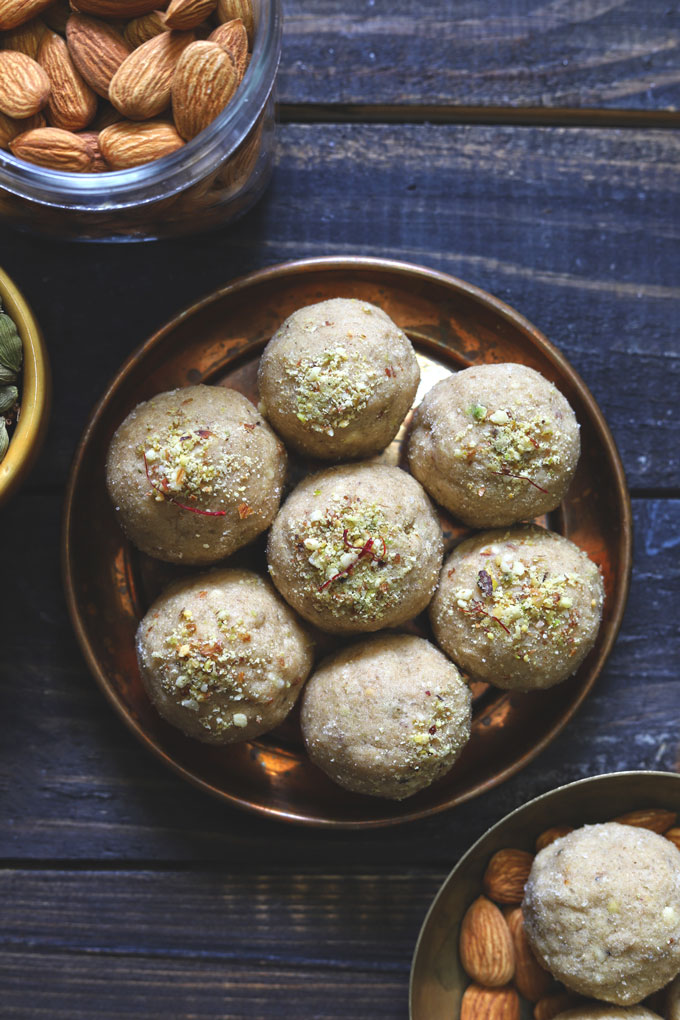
8	398
4	438
11	350
7	376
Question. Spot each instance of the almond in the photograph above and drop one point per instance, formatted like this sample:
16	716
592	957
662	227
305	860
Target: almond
506	875
16	12
130	143
53	148
11	128
531	980
116	8
204	82
486	950
141	86
230	10
24	86
91	140
106	115
24	39
96	49
552	1005
655	819
489	1004
183	14
674	836
232	36
72	103
140	30
550	835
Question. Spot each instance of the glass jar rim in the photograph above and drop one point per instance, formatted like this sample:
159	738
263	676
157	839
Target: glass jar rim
163	177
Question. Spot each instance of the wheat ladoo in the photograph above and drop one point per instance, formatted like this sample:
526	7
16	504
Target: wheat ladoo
222	657
602	911
495	444
195	474
518	608
356	548
387	716
337	379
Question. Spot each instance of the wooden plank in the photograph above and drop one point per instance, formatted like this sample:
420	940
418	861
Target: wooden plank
288	918
575	228
75	785
552	53
210	943
79	987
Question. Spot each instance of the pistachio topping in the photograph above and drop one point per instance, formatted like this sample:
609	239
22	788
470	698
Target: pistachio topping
331	389
180	465
347	551
519	598
505	444
197	667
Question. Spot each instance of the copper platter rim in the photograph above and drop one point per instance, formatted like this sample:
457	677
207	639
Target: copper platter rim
360	264
625	791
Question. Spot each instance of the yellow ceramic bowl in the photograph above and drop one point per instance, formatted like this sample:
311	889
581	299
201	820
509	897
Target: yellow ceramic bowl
34	393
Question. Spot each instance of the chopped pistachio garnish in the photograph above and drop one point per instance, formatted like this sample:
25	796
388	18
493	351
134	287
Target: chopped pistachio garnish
347	552
506	445
331	389
515	596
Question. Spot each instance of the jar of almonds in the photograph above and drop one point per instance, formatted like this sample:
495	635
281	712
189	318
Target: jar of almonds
135	119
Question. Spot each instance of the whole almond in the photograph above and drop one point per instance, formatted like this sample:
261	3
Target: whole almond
16	12
24	39
552	1005
24	86
91	140
140	30
550	835
141	86
229	10
506	875
96	49
489	1004
72	103
116	8
130	143
485	947
11	128
232	36
655	819
204	82
54	148
531	980
674	835
183	14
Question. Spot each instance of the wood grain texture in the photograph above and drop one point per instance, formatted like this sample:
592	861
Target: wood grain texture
75	785
203	944
575	228
542	53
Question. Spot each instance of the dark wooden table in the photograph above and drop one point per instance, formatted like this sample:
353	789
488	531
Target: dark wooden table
529	147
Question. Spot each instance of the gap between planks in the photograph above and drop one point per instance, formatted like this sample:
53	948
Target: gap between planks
522	116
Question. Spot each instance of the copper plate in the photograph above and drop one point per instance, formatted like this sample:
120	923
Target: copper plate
437	977
109	585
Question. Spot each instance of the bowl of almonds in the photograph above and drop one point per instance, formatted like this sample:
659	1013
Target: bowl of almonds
480	953
135	119
24	388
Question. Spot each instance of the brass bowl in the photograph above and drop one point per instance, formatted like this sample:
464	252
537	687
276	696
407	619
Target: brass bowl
109	585
437	977
35	390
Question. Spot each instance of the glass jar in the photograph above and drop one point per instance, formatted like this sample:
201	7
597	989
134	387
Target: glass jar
206	184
